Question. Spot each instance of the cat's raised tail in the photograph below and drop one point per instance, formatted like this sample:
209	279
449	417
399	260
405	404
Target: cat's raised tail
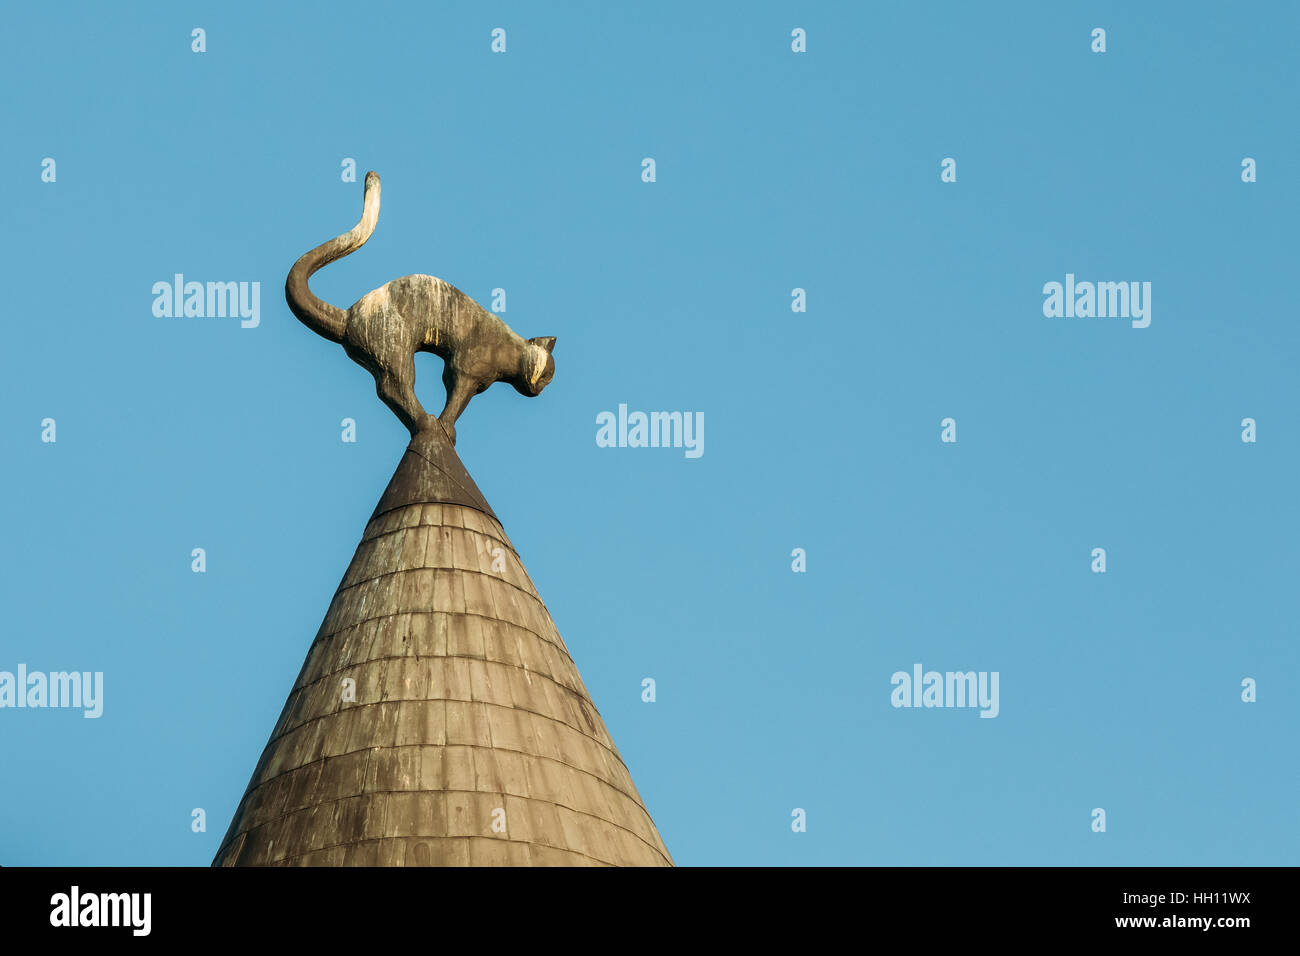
319	316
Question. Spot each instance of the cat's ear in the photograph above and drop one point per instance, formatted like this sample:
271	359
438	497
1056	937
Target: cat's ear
545	341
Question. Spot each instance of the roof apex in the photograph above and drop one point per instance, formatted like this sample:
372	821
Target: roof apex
431	473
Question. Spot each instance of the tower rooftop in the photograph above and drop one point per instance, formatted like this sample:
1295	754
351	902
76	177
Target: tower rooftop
438	718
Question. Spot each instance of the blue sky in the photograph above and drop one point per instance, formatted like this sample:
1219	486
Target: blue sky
775	170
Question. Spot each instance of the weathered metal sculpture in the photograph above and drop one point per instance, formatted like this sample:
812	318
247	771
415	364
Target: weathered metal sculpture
438	718
418	313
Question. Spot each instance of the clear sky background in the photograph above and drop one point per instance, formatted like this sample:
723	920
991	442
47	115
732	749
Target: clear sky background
775	170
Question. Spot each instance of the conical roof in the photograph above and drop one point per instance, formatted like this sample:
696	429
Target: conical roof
438	718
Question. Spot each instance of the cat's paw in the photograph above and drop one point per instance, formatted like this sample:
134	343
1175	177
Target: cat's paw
433	425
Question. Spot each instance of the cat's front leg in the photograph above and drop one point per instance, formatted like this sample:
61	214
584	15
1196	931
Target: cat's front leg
460	390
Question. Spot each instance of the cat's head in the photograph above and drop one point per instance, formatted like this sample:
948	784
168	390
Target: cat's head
538	366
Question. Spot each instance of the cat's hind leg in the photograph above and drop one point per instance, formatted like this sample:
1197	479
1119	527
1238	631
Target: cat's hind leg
396	388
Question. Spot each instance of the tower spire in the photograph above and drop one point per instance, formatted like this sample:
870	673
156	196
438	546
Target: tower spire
438	718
